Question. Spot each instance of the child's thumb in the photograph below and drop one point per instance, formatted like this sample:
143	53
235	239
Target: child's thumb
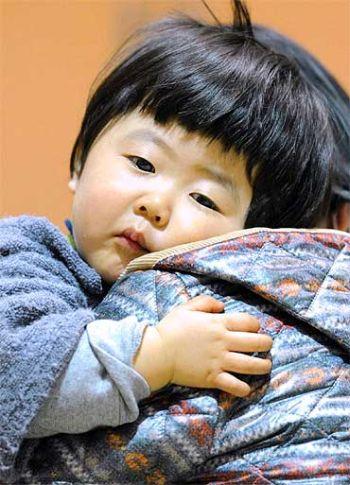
204	303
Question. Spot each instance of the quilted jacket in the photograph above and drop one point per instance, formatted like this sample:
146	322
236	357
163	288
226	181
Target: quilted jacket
294	426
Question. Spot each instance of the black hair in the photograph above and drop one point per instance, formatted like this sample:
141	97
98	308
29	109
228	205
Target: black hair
220	82
334	96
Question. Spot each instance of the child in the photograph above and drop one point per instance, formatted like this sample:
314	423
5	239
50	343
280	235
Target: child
159	195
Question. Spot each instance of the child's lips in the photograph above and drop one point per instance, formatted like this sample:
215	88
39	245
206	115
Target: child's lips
133	240
130	244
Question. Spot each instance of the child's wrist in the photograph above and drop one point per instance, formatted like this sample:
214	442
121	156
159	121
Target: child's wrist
151	360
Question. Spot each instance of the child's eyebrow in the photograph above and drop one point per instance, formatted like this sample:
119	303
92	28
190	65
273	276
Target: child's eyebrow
220	178
143	134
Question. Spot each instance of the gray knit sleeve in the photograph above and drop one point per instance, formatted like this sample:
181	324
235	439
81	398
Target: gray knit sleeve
100	386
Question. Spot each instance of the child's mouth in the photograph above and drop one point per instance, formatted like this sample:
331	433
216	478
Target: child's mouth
133	240
130	244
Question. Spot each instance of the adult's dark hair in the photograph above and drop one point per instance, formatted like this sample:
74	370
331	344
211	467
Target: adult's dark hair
334	96
222	83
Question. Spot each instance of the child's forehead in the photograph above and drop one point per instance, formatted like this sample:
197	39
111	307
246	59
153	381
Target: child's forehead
173	139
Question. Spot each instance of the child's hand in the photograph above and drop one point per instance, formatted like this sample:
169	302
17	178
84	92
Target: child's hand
199	349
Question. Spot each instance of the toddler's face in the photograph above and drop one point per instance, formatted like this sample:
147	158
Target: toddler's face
160	186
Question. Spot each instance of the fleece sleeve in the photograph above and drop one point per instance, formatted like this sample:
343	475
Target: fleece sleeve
46	291
100	386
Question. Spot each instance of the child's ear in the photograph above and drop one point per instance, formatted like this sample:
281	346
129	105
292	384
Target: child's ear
72	184
340	219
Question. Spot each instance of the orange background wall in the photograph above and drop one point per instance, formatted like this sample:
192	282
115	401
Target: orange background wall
52	50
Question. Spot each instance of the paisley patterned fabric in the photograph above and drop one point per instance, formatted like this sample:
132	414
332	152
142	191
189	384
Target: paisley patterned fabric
293	428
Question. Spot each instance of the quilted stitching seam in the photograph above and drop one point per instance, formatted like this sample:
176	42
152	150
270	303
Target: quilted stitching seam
324	281
156	293
255	470
344	371
305	416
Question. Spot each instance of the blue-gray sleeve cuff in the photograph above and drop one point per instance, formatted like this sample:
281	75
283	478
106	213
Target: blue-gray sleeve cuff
115	344
99	386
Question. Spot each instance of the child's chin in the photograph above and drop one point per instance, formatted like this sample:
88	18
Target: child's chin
108	266
110	276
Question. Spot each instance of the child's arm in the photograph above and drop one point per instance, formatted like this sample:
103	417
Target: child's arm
98	388
188	347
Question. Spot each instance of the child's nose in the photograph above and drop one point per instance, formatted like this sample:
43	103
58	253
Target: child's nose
153	209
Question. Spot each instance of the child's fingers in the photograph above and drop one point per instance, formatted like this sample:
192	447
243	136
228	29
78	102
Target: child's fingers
245	364
248	342
240	322
229	383
204	303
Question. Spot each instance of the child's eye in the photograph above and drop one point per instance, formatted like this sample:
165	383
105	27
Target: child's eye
141	164
203	200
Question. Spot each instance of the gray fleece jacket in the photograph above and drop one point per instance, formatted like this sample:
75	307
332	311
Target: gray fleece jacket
61	370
